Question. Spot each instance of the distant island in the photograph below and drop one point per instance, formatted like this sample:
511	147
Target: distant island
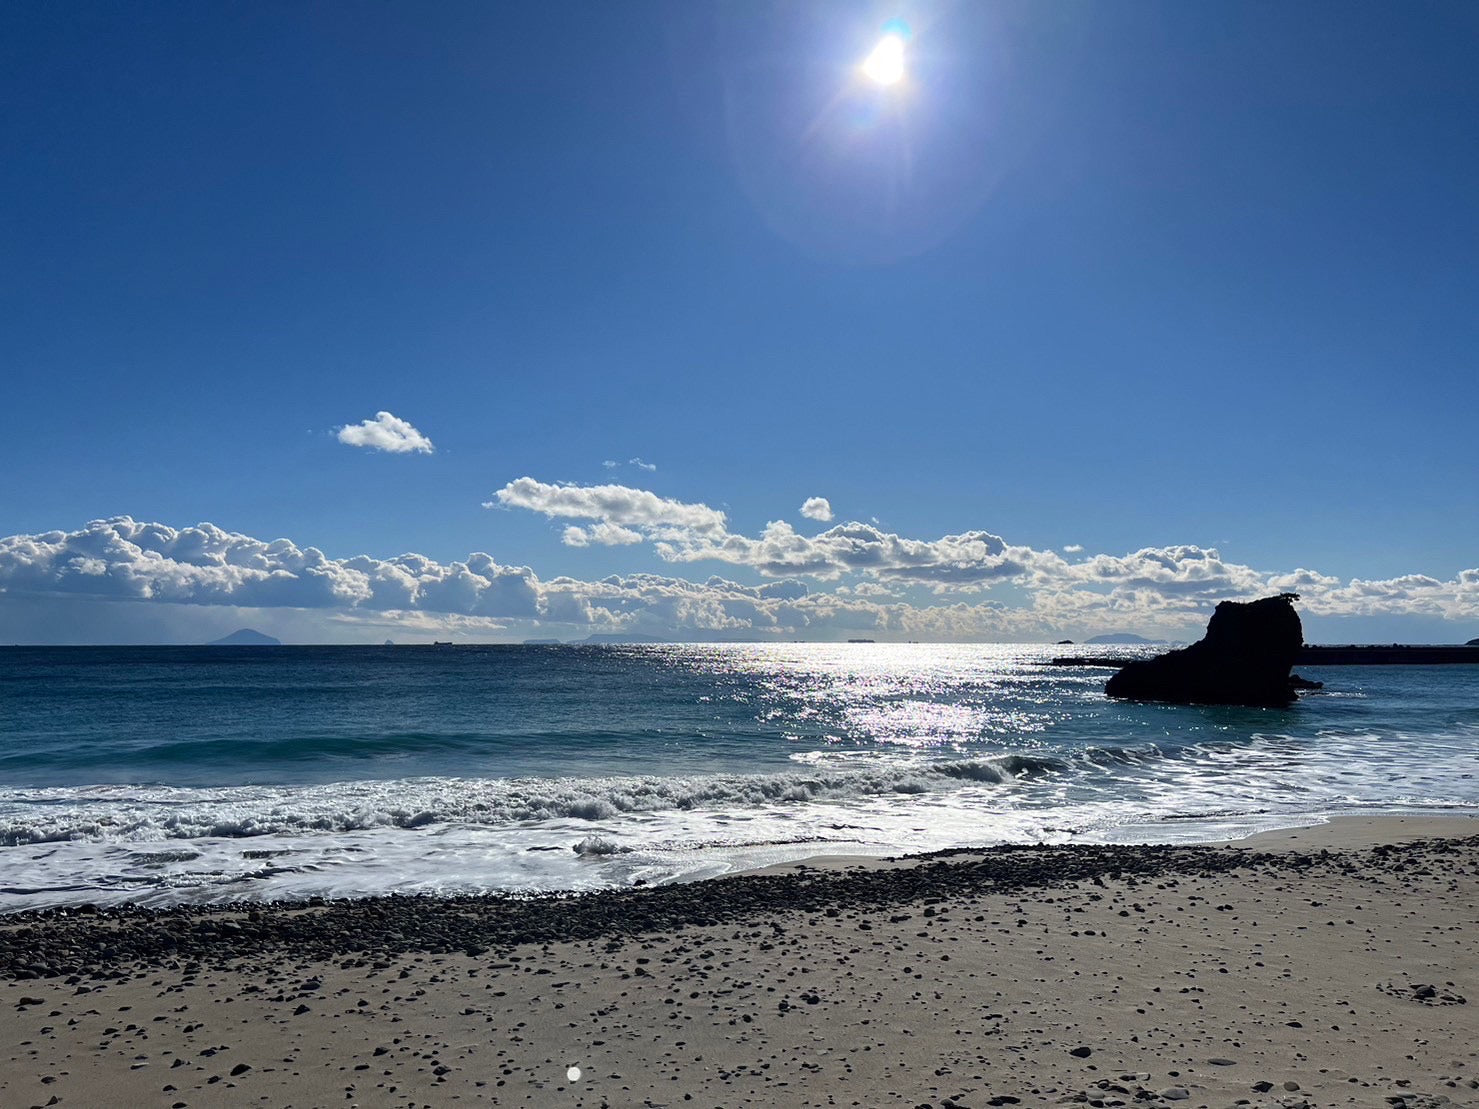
1472	643
542	642
1119	637
246	637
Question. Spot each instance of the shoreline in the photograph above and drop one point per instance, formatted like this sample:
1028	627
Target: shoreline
1342	832
1110	973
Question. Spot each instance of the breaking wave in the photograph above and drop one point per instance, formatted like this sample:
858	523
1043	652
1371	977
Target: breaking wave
163	812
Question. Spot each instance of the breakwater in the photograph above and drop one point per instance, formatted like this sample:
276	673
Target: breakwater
1394	654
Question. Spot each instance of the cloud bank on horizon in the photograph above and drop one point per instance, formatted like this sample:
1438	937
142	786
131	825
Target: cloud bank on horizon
847	579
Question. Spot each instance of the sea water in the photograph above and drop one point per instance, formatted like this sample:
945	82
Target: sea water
166	775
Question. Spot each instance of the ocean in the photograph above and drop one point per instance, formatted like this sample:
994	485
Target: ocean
164	775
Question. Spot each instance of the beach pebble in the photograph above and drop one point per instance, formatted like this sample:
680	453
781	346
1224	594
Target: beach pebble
1174	1093
1081	1052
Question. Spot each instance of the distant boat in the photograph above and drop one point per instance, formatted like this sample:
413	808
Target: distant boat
860	641
440	643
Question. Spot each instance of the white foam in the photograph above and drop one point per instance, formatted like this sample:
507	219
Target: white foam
158	845
148	813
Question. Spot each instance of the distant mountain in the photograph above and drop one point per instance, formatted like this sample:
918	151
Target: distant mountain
1472	643
542	642
246	637
1119	637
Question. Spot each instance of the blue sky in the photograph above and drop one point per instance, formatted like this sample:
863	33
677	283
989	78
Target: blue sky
1191	288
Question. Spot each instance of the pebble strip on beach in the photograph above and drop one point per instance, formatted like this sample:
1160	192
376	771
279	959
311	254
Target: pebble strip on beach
1098	975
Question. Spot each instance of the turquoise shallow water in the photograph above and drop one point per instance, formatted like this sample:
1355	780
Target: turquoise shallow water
167	774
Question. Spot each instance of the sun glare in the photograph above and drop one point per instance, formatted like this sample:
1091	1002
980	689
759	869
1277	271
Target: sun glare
886	64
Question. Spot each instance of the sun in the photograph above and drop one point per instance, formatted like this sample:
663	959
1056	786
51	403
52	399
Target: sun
885	66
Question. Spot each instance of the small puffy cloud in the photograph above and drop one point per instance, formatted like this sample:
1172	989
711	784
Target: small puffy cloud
1074	548
386	433
817	508
650	467
611	504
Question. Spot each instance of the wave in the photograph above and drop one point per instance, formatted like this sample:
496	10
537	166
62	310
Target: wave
233	750
29	816
599	845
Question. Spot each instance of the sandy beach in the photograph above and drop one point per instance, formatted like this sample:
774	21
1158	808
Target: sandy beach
1336	965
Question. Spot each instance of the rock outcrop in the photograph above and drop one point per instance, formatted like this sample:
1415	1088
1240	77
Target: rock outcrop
1244	659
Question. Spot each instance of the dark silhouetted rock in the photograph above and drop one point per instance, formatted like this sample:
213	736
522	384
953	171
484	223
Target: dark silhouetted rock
1472	643
1244	659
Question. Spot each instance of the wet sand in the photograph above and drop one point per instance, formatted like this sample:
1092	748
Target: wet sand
1322	967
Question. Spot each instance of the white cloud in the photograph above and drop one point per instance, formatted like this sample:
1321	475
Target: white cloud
122	559
1156	590
386	433
650	467
1167	589
970	557
817	508
1185	570
611	504
606	535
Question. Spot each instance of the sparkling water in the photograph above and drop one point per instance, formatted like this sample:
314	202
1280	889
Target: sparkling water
158	775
